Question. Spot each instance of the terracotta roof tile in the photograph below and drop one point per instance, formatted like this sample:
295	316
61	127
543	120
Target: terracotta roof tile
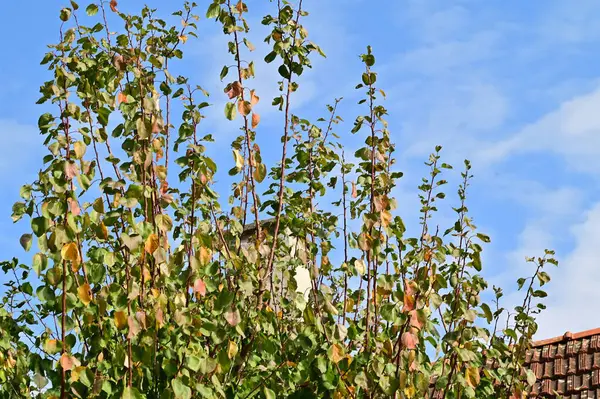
568	366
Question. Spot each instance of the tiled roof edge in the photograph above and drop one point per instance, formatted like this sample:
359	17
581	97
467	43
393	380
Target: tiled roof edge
568	336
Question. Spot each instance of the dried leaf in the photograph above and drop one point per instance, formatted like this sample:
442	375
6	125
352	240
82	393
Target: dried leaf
255	120
134	327
183	38
113	6
233	89
354	191
254	99
244	107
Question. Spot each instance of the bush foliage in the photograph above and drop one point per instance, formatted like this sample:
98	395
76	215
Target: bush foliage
140	285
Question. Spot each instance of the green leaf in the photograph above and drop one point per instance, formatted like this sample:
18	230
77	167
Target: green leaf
39	225
224	72
284	72
230	111
260	172
164	223
269	393
65	14
213	11
91	10
487	312
192	362
181	390
25	241
132	393
40	262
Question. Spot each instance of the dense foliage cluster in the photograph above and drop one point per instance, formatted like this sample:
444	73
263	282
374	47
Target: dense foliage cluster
141	286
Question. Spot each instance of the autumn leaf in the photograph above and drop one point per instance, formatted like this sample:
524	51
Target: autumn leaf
183	38
67	362
409	340
200	287
472	376
239	6
70	252
244	107
409	302
71	170
122	97
85	293
120	319
51	346
354	191
113	6
254	99
336	353
152	243
234	89
74	206
205	256
232	349
141	318
103	231
255	120
134	327
233	317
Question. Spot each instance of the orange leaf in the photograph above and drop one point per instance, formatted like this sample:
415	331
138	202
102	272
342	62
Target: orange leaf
244	107
122	97
240	6
337	353
253	98
354	192
255	120
151	243
113	6
409	341
74	206
67	362
200	287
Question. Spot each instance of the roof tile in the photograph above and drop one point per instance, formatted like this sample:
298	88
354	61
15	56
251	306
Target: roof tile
567	366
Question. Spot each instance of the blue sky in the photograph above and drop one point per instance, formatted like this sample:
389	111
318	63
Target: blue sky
513	86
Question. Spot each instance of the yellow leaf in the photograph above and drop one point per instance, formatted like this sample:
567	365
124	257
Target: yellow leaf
120	319
472	376
151	243
70	252
205	255
386	218
103	231
85	293
337	353
255	120
183	38
232	349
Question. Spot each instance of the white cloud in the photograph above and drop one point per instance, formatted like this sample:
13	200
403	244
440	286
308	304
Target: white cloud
573	293
572	131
